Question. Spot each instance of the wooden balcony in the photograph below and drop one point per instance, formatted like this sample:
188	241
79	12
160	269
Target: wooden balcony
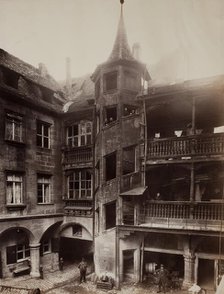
197	145
78	156
185	215
130	181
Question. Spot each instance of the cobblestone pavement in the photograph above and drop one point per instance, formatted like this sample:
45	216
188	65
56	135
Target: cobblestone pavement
66	282
90	288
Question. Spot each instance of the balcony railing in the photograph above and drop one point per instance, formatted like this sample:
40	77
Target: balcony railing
210	144
130	181
78	155
79	208
181	210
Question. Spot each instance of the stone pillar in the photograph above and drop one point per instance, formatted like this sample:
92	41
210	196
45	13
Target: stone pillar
189	270
137	271
35	260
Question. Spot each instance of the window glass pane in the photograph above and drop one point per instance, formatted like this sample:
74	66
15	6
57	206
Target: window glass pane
9	130
18	193
69	131
46	142
70	142
20	255
71	194
27	253
88	139
46	130
75	130
39	141
82	140
76	141
39	128
9	193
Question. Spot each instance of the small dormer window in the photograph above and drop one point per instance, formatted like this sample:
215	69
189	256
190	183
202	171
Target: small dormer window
110	114
10	78
110	81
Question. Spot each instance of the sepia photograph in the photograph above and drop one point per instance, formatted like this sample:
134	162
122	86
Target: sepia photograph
111	146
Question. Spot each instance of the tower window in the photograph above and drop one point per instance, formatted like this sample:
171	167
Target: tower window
110	166
129	160
110	215
110	81
110	114
129	110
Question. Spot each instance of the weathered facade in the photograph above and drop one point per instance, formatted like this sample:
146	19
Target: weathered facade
129	171
36	226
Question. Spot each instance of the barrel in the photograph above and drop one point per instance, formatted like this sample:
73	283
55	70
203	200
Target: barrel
150	267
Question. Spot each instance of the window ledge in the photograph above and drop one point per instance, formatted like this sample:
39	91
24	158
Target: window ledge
110	124
43	149
16	143
51	203
130	116
16	206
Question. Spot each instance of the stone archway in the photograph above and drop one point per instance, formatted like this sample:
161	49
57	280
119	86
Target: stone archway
15	251
76	242
49	247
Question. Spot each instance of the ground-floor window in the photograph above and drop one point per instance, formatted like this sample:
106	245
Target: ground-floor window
46	246
17	253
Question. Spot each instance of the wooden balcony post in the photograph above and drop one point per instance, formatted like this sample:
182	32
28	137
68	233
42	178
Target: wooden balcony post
192	183
193	115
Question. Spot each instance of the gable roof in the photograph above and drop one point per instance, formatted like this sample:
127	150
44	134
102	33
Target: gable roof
28	71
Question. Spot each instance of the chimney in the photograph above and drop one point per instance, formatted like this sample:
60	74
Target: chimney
136	51
43	70
68	76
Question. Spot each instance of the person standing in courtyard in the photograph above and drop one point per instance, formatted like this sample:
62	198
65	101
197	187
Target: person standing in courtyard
82	269
162	279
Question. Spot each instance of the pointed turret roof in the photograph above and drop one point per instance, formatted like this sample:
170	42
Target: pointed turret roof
121	49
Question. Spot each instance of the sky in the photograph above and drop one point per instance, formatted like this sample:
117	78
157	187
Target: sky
179	39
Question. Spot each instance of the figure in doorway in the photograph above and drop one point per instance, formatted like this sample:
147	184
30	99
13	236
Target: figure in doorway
162	279
82	269
61	264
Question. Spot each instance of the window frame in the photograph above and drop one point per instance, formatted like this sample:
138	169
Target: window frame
42	134
13	183
78	181
108	77
25	249
80	134
105	166
44	182
44	243
134	147
12	122
107	120
79	231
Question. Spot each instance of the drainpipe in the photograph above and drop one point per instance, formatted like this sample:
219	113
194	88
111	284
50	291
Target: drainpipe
117	259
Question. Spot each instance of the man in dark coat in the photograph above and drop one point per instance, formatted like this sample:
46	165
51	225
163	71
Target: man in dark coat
162	279
82	268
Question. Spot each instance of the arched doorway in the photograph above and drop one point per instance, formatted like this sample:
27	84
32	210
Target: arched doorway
75	242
